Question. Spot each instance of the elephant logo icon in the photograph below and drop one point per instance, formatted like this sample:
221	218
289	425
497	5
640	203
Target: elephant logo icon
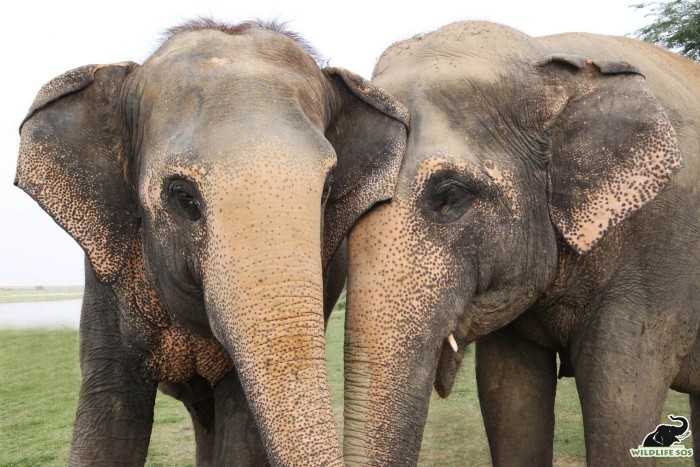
668	435
664	440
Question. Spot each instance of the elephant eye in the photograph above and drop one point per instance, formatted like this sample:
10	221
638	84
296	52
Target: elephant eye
183	197
447	199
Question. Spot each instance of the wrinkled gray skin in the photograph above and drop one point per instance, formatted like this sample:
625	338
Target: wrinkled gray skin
210	189
543	196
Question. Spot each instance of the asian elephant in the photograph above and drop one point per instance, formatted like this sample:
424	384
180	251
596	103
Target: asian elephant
548	196
211	188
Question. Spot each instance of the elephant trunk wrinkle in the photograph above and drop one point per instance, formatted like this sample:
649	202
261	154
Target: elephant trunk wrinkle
274	331
377	394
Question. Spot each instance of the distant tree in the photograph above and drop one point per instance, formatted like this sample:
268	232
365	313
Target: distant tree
39	287
676	26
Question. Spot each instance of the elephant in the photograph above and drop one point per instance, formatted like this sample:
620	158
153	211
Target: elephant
547	204
667	435
211	189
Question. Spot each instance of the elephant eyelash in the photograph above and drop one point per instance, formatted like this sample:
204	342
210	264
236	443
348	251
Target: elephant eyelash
327	188
184	198
448	197
451	184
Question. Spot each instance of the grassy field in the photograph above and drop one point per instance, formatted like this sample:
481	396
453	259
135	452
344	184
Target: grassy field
39	293
39	381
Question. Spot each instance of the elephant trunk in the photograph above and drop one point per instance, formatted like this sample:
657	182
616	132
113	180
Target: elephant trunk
277	345
263	292
391	344
385	404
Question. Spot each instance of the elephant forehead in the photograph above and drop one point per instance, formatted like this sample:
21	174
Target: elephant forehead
210	75
420	77
260	155
254	45
471	48
266	169
219	75
247	95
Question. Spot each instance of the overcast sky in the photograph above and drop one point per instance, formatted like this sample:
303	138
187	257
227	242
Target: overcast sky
41	40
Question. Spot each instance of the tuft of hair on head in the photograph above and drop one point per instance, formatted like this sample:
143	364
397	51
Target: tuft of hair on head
203	23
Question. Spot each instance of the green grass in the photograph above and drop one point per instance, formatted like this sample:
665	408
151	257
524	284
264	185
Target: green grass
39	384
39	293
40	377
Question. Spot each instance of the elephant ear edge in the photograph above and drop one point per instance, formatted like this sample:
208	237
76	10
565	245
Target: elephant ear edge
612	151
71	161
368	131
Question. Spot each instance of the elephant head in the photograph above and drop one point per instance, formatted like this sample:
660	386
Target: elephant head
667	435
519	158
236	166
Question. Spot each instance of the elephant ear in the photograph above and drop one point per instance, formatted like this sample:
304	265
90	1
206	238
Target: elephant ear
612	151
71	162
368	131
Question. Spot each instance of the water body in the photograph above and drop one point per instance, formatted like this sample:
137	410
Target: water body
59	314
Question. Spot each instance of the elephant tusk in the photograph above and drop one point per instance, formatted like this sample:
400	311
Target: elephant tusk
453	343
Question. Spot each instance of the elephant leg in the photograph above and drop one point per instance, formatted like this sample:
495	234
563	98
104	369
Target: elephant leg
695	422
238	441
688	381
197	396
622	377
517	381
115	410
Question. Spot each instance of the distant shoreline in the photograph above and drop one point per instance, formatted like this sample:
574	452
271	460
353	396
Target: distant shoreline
39	293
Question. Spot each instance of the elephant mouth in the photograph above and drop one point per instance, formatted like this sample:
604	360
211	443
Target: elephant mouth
452	351
451	355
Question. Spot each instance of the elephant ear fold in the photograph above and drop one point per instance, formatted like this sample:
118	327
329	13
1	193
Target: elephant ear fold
368	131
612	151
72	163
